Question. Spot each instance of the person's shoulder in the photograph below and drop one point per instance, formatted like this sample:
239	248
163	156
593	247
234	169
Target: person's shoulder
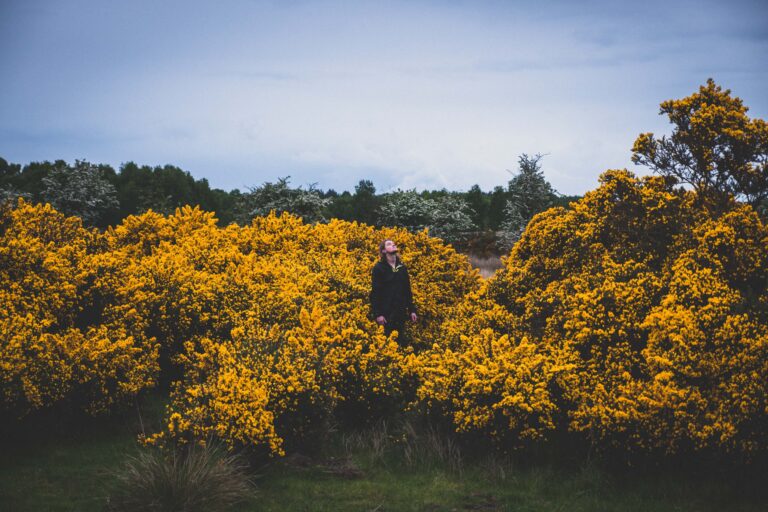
379	266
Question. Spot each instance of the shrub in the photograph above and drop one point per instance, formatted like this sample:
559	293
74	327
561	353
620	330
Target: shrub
637	317
268	329
51	352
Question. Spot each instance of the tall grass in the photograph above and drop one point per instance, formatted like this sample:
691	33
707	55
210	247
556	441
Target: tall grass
415	446
189	480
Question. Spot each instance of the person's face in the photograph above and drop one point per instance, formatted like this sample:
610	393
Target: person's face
390	247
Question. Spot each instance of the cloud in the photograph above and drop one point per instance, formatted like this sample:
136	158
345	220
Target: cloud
417	94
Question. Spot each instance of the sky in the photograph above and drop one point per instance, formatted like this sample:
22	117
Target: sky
412	94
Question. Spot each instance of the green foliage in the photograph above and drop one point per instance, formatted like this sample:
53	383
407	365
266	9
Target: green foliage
446	216
26	182
362	206
468	219
479	203
280	197
163	189
9	187
529	193
137	189
498	203
365	203
81	190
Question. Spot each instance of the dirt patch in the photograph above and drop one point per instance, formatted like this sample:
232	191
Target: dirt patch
486	265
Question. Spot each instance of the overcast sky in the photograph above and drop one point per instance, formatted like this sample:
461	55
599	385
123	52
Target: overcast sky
409	94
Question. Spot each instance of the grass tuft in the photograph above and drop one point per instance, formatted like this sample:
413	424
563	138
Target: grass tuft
183	480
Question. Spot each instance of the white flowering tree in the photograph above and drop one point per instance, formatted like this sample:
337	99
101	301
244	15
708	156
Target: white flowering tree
448	217
280	197
80	190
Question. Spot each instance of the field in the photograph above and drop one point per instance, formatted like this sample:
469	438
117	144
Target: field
73	465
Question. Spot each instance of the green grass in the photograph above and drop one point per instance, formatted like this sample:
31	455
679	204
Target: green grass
58	462
536	489
61	469
61	476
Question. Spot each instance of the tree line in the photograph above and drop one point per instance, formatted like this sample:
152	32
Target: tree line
484	221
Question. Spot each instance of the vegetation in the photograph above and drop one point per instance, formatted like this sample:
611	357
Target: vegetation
72	466
714	147
475	220
631	324
530	193
636	317
138	189
279	197
446	216
197	479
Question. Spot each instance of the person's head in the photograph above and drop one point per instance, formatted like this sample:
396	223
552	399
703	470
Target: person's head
387	247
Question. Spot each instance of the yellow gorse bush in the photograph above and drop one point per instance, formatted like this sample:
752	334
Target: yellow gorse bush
636	317
53	349
265	327
285	305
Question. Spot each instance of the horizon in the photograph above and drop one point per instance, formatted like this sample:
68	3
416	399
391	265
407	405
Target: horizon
118	170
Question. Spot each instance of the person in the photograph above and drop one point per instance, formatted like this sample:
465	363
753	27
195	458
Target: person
391	296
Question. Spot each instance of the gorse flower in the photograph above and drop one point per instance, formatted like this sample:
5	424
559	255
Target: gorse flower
55	344
635	317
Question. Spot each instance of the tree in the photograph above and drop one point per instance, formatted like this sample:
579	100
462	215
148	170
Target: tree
406	209
341	207
529	193
224	204
162	189
280	197
10	175
80	190
478	202
714	147
496	207
365	203
25	182
446	216
452	219
136	189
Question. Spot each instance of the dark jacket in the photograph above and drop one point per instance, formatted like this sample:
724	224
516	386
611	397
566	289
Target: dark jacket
391	290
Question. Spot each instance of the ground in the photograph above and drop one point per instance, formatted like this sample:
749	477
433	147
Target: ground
50	467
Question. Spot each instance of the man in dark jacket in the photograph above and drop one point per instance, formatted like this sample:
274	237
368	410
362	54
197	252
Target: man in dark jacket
391	297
